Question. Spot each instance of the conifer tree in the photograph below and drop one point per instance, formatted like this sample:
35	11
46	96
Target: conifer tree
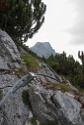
21	19
81	56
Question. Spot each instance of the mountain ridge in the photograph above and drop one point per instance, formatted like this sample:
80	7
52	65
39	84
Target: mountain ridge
43	49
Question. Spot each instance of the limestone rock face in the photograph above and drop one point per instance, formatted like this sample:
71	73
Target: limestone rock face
3	65
8	49
43	49
82	114
44	69
55	108
69	107
14	111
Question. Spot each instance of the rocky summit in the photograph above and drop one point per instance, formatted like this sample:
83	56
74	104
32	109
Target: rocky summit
44	101
43	49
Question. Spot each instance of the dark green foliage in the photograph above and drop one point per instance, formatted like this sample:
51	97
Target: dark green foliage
81	57
33	121
25	97
62	64
68	67
21	18
77	80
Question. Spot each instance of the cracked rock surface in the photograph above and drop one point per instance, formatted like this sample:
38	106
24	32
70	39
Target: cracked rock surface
54	107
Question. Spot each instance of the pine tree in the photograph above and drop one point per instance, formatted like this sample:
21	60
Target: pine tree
21	19
81	56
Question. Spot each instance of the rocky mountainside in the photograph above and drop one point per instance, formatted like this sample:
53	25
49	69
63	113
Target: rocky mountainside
43	49
43	101
9	55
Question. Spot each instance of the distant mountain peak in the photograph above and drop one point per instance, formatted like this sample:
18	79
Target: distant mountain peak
43	49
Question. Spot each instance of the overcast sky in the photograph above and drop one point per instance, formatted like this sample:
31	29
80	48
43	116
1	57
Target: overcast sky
63	26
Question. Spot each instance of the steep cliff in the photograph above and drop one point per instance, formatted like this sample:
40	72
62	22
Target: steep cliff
43	101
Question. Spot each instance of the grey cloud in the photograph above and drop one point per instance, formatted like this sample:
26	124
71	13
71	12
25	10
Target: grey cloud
77	41
77	31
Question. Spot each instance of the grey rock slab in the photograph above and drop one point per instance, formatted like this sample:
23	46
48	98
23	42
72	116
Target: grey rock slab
44	69
69	107
55	108
39	104
82	113
14	111
8	48
3	65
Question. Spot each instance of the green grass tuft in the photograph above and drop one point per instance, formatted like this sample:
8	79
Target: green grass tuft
65	88
62	86
30	61
33	121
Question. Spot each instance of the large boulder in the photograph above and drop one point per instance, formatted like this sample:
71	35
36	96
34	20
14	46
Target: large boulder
8	50
70	108
55	108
